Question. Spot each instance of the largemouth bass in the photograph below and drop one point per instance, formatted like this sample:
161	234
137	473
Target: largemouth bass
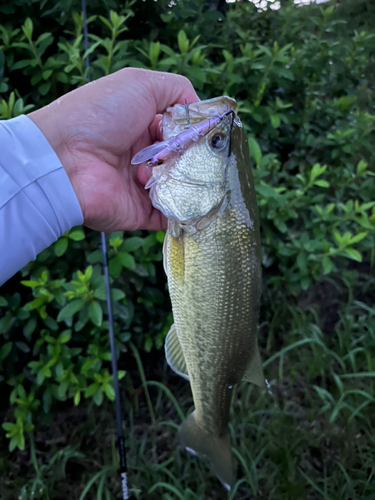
212	258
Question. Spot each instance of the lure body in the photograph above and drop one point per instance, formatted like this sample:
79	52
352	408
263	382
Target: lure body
160	153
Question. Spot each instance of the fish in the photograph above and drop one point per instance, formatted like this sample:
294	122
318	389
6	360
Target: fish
212	258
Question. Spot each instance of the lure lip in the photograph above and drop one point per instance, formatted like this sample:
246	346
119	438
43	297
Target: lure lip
158	154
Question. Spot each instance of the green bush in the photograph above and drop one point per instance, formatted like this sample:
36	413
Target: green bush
303	78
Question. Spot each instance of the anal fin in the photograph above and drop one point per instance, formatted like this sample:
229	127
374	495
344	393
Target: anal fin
254	370
174	354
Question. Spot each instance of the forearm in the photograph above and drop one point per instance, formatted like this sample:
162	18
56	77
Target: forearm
37	201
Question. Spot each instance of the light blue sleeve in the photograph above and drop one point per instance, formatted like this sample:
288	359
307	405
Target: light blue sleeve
37	201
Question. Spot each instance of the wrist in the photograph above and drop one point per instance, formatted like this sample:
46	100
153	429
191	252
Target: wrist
47	125
47	122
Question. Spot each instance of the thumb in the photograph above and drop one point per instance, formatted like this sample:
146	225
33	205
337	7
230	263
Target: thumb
168	89
149	93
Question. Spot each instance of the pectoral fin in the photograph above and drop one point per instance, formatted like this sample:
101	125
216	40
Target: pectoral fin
254	370
165	253
174	353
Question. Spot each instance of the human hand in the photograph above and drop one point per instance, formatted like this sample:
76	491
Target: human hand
95	131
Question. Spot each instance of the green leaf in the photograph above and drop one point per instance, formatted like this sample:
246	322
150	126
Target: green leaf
8	426
30	327
148	344
126	260
168	51
305	282
275	120
257	65
115	19
266	50
96	313
46	74
353	254
255	150
132	244
317	170
13	444
115	267
266	190
36	303
87	365
160	235
110	392
98	397
327	265
358	237
61	246
88	273
44	88
302	261
46	371
24	63
346	101
91	389
115	237
3	301
321	183
42	37
361	167
77	398
27	28
95	257
338	237
51	323
106	22
64	337
40	378
22	346
183	42
280	224
5	350
77	235
31	284
117	294
70	309
100	292
6	322
197	74
286	73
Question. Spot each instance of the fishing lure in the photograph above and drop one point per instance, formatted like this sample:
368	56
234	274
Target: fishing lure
162	152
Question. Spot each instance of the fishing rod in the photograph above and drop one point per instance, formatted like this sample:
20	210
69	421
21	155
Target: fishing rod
123	469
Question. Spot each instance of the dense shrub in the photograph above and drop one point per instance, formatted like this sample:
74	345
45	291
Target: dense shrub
303	78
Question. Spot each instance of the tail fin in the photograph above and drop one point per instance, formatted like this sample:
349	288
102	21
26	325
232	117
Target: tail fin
199	442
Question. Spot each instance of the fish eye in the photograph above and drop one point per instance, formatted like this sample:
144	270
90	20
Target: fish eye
160	162
218	141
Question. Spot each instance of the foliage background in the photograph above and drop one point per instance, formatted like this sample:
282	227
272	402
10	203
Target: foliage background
303	78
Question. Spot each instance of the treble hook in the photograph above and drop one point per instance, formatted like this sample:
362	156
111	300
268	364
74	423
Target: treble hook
187	113
230	130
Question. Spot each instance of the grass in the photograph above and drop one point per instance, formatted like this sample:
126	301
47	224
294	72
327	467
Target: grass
313	439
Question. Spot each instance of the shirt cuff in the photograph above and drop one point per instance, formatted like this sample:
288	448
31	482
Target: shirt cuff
37	201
